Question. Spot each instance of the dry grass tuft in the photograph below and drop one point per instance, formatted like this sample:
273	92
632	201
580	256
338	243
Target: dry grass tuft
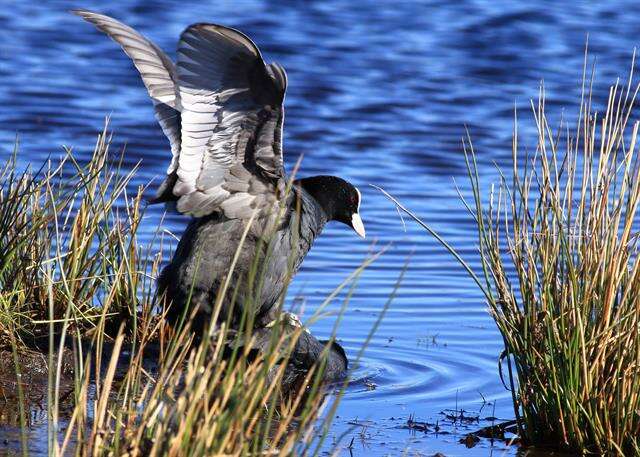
558	241
76	285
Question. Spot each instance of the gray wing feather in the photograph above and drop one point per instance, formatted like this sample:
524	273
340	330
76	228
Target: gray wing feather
221	108
231	123
158	75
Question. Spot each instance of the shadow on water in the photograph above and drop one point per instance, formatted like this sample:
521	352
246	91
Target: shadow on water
379	93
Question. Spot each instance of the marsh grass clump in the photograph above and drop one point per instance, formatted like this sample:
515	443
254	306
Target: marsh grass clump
78	297
67	237
559	248
558	244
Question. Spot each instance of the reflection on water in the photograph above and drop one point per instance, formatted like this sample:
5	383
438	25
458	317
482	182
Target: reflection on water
379	93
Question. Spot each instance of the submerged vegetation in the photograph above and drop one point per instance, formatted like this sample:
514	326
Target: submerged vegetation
558	244
76	286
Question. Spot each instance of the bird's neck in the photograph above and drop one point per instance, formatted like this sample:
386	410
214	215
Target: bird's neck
321	189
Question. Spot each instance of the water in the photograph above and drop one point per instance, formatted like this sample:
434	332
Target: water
379	93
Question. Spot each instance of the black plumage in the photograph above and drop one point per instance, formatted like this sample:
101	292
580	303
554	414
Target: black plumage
207	248
221	107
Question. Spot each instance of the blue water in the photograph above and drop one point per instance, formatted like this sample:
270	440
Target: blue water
379	93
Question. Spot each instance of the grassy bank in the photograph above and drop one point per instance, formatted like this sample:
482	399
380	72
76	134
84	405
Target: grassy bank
558	243
76	286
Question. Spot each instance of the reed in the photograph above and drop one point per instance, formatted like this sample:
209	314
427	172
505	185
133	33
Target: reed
76	285
558	244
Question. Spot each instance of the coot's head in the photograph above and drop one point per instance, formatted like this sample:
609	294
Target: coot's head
339	199
347	206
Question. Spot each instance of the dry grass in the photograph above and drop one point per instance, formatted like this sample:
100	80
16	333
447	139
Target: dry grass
558	241
75	283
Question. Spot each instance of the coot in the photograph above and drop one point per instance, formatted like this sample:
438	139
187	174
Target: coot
221	107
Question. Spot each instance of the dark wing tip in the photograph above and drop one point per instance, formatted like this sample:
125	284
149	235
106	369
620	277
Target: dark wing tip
226	33
280	76
268	82
85	14
96	19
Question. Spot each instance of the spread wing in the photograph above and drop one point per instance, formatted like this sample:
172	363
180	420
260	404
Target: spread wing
158	75
232	115
225	123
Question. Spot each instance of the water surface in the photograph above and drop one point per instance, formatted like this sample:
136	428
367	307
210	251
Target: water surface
379	93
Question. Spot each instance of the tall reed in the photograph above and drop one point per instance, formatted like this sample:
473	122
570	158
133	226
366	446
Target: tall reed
76	284
558	244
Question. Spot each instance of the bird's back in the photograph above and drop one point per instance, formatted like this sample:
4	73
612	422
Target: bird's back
205	255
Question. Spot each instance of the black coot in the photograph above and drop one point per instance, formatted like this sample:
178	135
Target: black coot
221	107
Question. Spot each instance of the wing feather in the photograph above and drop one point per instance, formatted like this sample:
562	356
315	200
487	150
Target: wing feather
228	91
220	106
159	76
